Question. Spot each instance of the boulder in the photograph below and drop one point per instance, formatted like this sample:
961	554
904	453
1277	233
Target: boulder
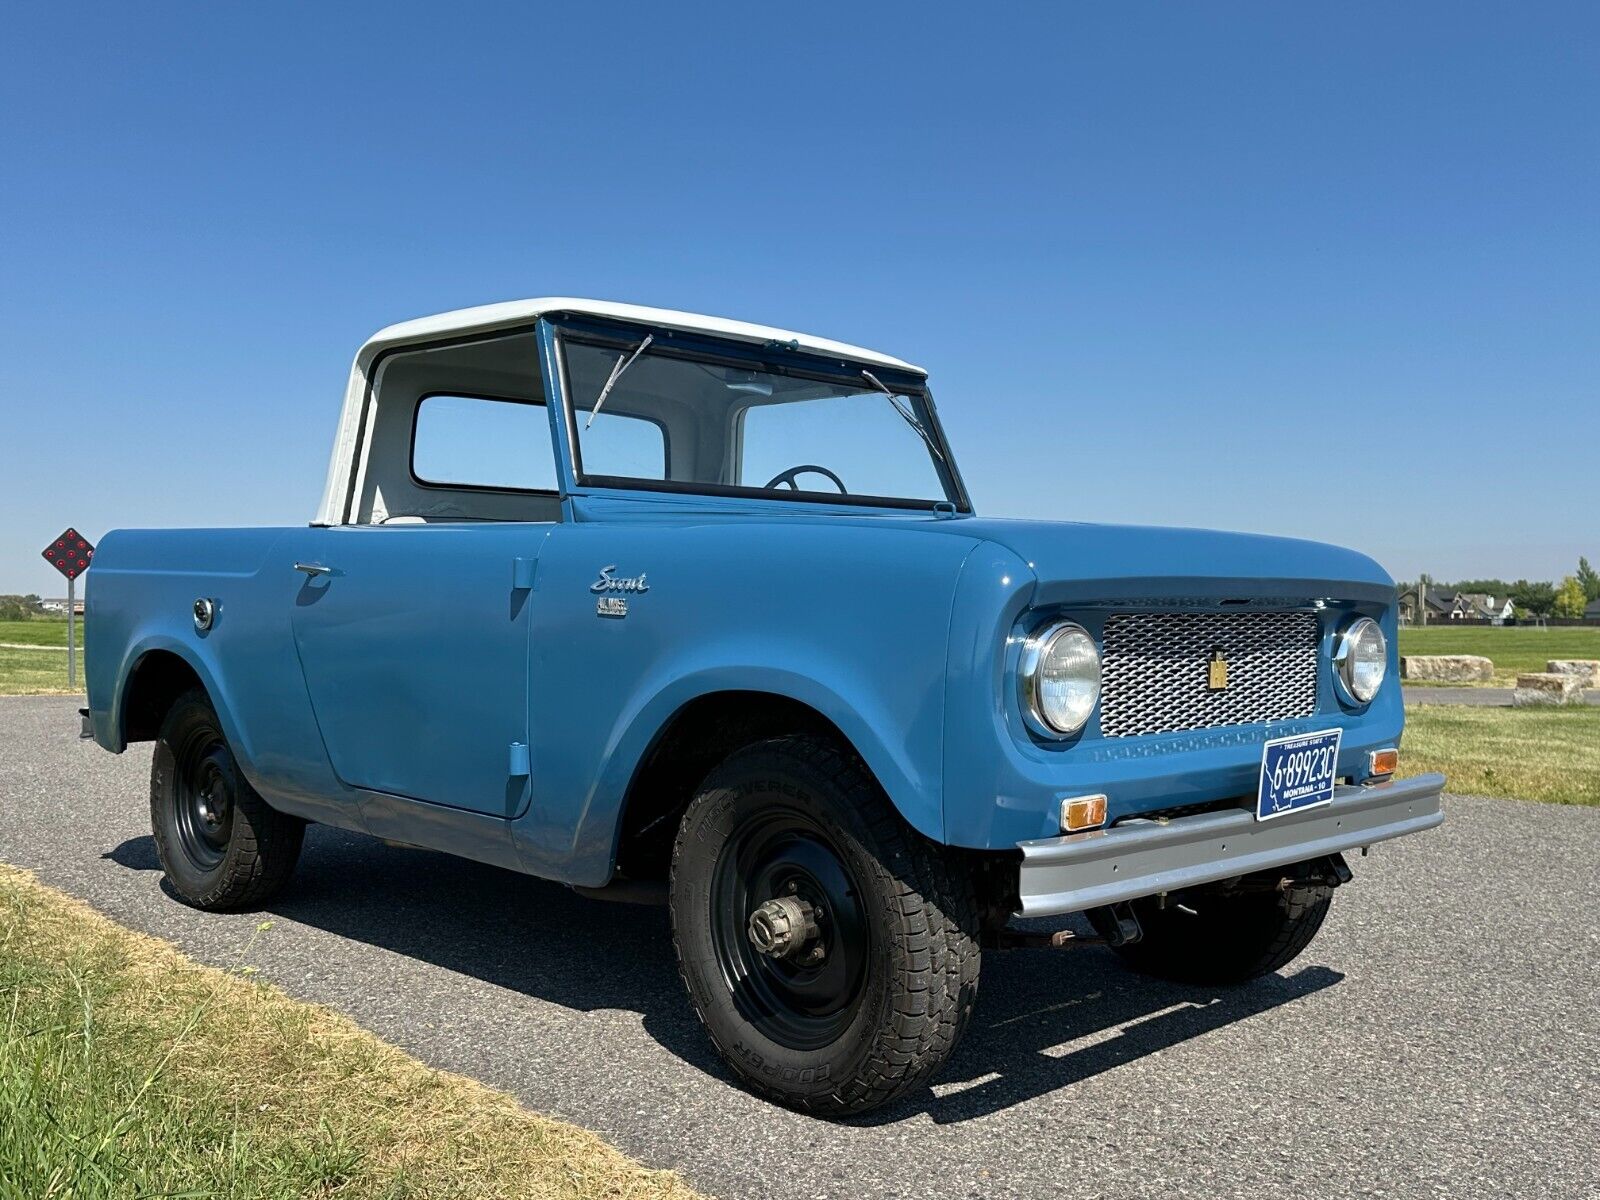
1546	687
1586	669
1447	668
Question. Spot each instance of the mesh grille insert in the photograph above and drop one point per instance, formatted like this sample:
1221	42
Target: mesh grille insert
1155	671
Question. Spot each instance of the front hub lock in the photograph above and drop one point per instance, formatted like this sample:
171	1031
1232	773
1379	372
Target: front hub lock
785	928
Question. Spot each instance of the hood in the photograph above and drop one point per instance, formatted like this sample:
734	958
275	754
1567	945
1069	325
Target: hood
1083	563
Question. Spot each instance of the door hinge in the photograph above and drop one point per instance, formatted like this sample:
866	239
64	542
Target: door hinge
522	573
520	764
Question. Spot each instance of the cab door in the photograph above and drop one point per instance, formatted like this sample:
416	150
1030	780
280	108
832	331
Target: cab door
414	644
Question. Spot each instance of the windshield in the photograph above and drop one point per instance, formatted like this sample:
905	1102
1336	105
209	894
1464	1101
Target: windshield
840	433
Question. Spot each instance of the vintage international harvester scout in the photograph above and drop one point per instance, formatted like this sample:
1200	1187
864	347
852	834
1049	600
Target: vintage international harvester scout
660	604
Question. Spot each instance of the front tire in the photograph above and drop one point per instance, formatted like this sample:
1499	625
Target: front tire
221	845
830	951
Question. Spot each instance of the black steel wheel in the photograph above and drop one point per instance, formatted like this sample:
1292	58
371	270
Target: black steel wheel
221	845
830	951
206	781
804	996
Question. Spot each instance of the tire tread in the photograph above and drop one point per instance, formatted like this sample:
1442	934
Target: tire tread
937	918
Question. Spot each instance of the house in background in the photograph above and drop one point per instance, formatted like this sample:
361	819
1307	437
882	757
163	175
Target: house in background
58	608
1445	605
1592	613
1440	604
1479	606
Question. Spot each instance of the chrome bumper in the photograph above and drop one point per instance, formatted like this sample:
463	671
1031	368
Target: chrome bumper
1141	858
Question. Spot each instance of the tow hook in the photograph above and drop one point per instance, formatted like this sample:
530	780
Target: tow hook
1121	925
1329	872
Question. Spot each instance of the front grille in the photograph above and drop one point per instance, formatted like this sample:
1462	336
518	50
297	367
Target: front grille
1155	672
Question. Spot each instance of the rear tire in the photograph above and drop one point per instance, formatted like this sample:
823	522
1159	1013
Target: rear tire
221	845
1225	939
875	991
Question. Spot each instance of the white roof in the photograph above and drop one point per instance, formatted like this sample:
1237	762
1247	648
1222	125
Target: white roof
489	317
520	312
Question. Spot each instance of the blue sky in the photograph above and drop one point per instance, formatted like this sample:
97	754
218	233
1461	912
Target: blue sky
1328	271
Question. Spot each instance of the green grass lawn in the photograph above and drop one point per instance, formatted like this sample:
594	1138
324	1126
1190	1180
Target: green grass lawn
41	631
129	1070
36	672
1549	754
1513	648
43	668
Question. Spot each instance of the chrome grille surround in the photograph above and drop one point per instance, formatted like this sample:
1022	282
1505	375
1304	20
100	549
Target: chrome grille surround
1153	671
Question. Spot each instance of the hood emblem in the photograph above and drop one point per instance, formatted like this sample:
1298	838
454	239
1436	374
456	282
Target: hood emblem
1217	672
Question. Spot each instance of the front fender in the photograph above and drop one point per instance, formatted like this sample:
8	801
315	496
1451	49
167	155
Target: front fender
907	768
866	654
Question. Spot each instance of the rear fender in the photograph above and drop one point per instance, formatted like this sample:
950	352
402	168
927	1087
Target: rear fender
115	730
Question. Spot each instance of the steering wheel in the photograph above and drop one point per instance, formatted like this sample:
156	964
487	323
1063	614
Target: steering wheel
789	478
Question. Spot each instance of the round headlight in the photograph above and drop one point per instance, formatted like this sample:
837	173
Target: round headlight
1362	659
1060	678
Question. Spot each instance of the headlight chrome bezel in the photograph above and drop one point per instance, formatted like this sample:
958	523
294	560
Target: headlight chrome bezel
1036	649
1345	662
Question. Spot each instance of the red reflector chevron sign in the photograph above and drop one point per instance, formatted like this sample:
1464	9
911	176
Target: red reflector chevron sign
70	553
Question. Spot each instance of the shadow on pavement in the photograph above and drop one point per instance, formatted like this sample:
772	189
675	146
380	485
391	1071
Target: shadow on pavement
545	941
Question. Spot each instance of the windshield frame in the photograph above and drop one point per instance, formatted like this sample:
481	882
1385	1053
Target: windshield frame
780	359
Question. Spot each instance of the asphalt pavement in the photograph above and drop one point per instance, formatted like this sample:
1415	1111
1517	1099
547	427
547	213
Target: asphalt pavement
1440	1038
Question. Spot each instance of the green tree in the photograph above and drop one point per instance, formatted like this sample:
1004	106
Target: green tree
19	608
1536	599
1570	600
1588	579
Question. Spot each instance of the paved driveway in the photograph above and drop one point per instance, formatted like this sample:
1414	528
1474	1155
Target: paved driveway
1440	1038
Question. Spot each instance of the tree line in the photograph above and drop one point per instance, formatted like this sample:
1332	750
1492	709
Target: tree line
1532	598
20	608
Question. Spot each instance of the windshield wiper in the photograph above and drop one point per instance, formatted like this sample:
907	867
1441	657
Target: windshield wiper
905	413
624	361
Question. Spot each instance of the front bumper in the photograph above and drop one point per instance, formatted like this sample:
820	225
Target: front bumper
1141	858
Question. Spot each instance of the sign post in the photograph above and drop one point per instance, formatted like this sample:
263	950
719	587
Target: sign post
71	554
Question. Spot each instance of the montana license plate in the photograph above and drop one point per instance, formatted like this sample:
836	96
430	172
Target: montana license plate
1297	773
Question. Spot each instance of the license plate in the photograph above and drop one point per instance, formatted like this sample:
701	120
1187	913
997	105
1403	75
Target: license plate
1297	773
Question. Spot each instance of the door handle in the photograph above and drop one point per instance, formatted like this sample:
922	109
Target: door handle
313	569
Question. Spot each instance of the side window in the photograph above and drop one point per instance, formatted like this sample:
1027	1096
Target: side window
483	442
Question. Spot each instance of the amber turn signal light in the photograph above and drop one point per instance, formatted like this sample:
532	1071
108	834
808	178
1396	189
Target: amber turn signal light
1082	812
1383	762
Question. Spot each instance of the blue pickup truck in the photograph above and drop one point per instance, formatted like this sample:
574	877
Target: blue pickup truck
670	607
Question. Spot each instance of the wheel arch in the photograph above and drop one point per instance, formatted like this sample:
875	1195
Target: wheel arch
694	732
159	671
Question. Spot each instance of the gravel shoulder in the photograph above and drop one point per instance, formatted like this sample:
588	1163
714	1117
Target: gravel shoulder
1440	1038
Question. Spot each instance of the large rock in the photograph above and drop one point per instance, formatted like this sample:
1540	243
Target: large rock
1447	668
1546	687
1586	669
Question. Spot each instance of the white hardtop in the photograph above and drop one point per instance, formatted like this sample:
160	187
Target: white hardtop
487	318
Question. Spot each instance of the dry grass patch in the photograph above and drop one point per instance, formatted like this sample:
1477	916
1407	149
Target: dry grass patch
1549	754
35	672
126	1069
